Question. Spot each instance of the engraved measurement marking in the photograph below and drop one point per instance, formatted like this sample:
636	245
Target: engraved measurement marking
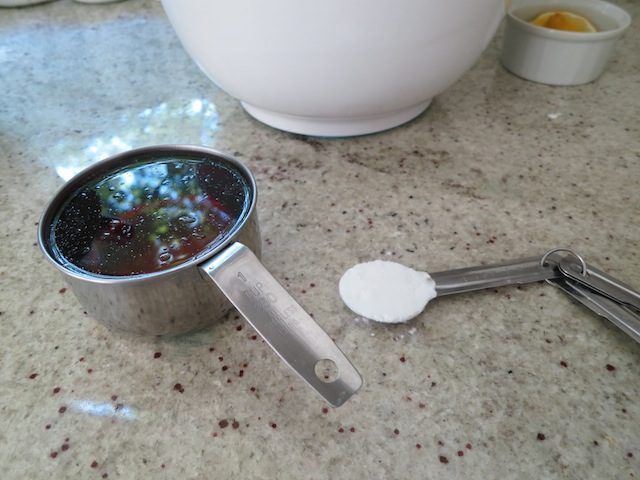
266	301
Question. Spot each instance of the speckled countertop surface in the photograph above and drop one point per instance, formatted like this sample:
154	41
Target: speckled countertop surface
508	383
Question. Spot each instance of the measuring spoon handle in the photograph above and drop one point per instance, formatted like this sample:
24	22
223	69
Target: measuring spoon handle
514	272
625	319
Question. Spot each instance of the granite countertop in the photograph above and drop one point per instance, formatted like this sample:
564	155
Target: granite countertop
514	382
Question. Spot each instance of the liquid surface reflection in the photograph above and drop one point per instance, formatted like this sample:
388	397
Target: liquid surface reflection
150	215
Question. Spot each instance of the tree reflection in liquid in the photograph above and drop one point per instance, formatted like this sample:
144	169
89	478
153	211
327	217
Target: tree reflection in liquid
150	217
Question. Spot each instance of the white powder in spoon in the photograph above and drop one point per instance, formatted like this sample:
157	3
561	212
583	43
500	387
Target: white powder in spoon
386	291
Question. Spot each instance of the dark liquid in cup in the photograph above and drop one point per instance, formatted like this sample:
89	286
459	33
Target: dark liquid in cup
150	216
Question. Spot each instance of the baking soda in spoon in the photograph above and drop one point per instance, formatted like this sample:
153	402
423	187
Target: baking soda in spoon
386	291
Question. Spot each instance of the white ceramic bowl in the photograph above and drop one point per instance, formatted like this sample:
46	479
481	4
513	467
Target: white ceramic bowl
20	3
558	57
335	67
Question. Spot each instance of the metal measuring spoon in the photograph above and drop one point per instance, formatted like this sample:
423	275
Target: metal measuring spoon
392	293
371	289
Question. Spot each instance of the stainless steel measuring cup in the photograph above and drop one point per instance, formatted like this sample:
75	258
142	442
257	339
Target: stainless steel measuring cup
164	240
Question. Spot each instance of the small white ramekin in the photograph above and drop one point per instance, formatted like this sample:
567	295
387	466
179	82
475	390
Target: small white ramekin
557	57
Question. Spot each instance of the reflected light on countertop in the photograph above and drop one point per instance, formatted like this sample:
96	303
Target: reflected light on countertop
194	121
105	409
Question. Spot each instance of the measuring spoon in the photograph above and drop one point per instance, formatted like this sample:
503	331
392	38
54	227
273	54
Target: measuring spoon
389	292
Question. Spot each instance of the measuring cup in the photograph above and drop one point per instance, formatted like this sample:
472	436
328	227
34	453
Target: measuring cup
164	240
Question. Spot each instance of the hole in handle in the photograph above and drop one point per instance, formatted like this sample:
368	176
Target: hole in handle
326	370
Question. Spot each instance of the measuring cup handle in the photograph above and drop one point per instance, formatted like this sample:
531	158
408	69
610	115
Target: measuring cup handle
283	323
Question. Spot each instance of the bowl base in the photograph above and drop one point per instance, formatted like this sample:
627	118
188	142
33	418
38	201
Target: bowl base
335	127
